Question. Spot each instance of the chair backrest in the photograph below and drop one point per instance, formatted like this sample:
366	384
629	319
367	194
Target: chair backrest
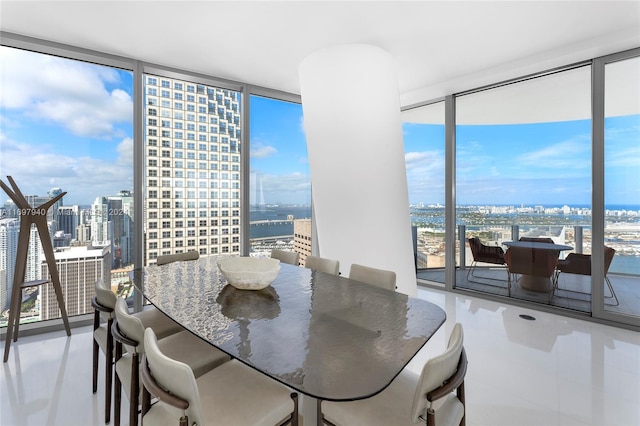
378	277
437	370
173	376
130	326
536	262
537	239
578	263
330	266
178	257
608	258
475	245
104	295
290	257
484	253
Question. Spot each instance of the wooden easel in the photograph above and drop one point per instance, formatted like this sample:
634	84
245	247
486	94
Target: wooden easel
28	216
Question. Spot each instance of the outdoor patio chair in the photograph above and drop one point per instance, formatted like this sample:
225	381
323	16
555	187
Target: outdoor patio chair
537	239
580	264
533	263
484	254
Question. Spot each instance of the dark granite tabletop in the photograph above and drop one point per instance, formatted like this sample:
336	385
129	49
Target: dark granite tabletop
323	335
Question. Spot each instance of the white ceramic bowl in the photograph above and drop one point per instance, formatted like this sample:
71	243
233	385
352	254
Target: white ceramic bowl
249	273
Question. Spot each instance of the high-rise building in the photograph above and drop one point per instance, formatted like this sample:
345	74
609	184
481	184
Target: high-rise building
112	224
9	232
68	219
78	269
53	211
100	223
83	233
192	154
35	254
122	215
302	238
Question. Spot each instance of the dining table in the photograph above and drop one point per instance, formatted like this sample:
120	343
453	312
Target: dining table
325	336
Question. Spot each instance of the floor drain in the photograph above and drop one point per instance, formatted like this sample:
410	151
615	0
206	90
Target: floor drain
528	317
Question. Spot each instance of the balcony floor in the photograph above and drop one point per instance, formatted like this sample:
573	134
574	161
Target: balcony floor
493	281
551	371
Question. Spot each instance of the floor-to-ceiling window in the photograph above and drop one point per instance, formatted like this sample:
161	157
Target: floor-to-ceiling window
67	126
279	182
523	170
424	144
621	189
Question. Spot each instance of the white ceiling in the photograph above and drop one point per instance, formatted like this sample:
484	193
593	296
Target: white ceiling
440	47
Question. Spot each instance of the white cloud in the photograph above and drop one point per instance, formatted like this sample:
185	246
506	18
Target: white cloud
424	159
125	152
624	157
37	169
287	188
573	154
70	93
259	150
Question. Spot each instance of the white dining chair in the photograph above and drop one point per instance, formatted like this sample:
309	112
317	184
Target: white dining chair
378	277
104	303
322	264
177	257
128	333
231	394
290	257
411	399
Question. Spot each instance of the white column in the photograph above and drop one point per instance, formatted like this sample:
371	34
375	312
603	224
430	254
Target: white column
351	109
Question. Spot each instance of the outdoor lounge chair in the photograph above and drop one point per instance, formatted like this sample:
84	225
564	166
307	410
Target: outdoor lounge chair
484	254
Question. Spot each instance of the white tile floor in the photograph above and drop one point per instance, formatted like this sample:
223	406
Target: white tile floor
551	371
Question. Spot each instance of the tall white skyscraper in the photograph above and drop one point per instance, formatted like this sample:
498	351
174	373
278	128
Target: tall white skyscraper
112	224
9	231
192	155
100	223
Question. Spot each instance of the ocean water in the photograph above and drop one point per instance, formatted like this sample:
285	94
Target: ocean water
620	264
625	265
275	213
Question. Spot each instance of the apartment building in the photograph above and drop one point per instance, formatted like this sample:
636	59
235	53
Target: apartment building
192	180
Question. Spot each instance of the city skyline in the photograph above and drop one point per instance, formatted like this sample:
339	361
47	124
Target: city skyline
73	122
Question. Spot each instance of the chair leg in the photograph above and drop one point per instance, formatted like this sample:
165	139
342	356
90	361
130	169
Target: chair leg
613	293
607	281
135	390
460	394
295	414
470	269
96	350
117	399
108	373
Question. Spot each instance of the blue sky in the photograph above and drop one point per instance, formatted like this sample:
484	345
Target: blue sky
68	124
279	151
65	124
543	163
